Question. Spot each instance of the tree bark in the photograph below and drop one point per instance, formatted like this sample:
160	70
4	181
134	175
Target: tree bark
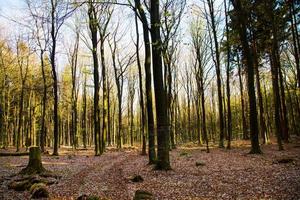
148	80
163	161
255	148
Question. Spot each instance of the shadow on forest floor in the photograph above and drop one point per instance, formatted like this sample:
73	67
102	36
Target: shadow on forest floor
195	174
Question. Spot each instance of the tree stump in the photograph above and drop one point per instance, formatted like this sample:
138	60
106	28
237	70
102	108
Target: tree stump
35	162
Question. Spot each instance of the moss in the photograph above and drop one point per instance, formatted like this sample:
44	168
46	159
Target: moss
20	185
86	197
184	153
35	162
36	186
40	191
143	195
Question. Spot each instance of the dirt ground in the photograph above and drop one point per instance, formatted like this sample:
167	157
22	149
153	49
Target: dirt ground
226	174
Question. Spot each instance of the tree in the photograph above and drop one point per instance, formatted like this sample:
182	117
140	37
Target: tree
212	25
148	80
228	73
93	26
200	50
60	11
41	35
242	29
105	15
142	104
73	61
120	64
163	161
23	54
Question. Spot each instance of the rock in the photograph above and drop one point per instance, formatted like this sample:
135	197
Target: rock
40	191
143	195
200	163
137	179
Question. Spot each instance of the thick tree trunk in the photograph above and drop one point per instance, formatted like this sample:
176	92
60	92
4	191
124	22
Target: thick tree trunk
255	148
35	162
276	100
163	161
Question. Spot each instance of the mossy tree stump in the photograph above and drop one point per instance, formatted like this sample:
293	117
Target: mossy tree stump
35	162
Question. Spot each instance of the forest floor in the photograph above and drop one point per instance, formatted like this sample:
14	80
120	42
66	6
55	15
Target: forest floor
226	174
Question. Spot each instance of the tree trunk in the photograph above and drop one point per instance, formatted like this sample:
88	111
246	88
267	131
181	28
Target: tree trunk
255	148
42	131
35	162
93	30
229	117
163	161
263	131
148	80
143	121
218	72
244	122
55	81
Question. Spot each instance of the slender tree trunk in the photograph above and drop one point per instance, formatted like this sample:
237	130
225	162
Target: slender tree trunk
20	118
296	47
263	131
93	30
244	122
229	117
54	76
103	135
142	107
285	122
148	80
204	131
218	72
84	115
44	103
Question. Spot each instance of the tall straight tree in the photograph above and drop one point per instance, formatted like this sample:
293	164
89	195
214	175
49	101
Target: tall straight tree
211	19
163	160
41	37
242	29
228	72
200	48
73	60
104	19
142	107
93	21
148	80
